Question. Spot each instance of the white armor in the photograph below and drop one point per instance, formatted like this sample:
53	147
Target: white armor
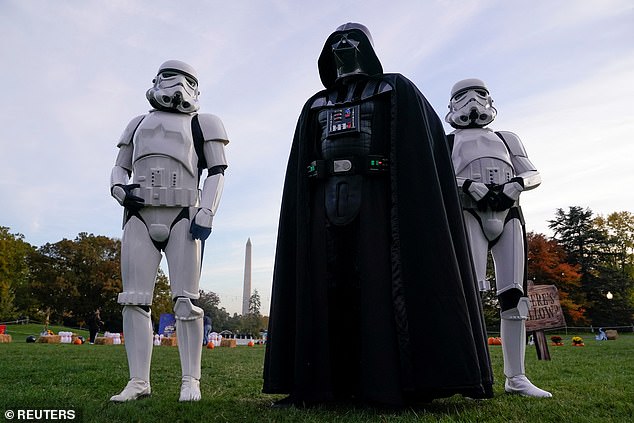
166	211
481	156
492	169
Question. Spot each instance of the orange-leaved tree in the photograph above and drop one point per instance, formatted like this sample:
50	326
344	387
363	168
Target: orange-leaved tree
547	266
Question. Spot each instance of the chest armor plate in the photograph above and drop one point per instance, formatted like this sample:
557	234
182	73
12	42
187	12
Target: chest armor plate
481	155
164	160
346	130
351	125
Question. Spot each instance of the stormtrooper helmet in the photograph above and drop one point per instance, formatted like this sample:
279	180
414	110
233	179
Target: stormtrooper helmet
471	105
175	88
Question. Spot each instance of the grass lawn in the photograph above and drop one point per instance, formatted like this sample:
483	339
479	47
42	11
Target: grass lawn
594	383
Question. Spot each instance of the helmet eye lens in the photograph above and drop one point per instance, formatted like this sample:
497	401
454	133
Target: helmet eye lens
191	82
170	75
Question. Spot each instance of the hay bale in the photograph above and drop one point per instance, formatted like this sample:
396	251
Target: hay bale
5	338
231	343
612	334
102	340
169	342
49	339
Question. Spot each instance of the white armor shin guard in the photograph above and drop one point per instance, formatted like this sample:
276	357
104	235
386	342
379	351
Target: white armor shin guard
137	330
189	329
513	332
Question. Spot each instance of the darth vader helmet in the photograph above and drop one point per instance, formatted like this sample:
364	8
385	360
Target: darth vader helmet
348	51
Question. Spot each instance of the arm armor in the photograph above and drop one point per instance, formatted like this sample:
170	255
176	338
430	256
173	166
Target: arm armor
524	169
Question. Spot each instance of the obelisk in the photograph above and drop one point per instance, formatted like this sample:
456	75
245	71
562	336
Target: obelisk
246	292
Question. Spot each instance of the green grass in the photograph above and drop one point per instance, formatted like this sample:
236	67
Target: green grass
590	384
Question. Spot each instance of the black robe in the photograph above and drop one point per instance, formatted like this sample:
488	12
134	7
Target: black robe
419	330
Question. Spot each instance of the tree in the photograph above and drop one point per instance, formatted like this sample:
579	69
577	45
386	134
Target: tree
601	247
210	303
162	299
254	303
7	296
74	278
581	240
252	323
618	228
14	275
547	266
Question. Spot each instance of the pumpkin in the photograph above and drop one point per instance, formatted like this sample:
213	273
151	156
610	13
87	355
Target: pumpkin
251	343
77	341
211	345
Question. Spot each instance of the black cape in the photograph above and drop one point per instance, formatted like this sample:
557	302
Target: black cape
432	341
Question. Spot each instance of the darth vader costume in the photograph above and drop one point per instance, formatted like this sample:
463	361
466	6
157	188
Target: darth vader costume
374	297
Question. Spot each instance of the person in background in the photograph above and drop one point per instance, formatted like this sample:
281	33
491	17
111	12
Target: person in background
94	325
206	329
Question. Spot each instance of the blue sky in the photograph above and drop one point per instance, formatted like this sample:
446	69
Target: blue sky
75	72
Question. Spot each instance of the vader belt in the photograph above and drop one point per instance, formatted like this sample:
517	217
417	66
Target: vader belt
369	165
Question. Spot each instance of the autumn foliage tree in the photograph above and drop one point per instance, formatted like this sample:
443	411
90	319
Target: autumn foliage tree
547	266
603	249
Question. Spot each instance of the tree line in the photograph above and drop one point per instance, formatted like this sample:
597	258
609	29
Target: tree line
65	282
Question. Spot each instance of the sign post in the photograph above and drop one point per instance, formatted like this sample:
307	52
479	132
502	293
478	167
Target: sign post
545	313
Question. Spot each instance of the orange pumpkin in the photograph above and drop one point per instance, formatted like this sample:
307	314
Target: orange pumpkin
251	343
77	341
211	345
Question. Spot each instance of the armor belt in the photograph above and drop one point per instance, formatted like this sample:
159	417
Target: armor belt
369	165
168	196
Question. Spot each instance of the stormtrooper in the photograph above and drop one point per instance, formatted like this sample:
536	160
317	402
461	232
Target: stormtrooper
492	170
156	178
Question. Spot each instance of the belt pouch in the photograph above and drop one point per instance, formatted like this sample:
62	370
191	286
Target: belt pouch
343	198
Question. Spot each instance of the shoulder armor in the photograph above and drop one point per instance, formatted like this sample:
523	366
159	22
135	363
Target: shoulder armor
372	88
212	128
128	132
512	141
318	102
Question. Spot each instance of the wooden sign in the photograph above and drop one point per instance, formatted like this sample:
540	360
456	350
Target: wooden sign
545	311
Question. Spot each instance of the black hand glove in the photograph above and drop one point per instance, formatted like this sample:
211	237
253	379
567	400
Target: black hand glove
501	202
482	201
131	201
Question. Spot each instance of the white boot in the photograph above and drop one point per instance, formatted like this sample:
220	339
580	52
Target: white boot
137	330
135	389
189	330
513	333
190	389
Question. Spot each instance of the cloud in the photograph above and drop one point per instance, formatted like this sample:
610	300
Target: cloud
560	75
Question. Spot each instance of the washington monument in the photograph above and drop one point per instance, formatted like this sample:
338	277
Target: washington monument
246	292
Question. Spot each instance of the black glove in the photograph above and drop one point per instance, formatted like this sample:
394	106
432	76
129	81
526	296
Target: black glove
481	203
130	201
